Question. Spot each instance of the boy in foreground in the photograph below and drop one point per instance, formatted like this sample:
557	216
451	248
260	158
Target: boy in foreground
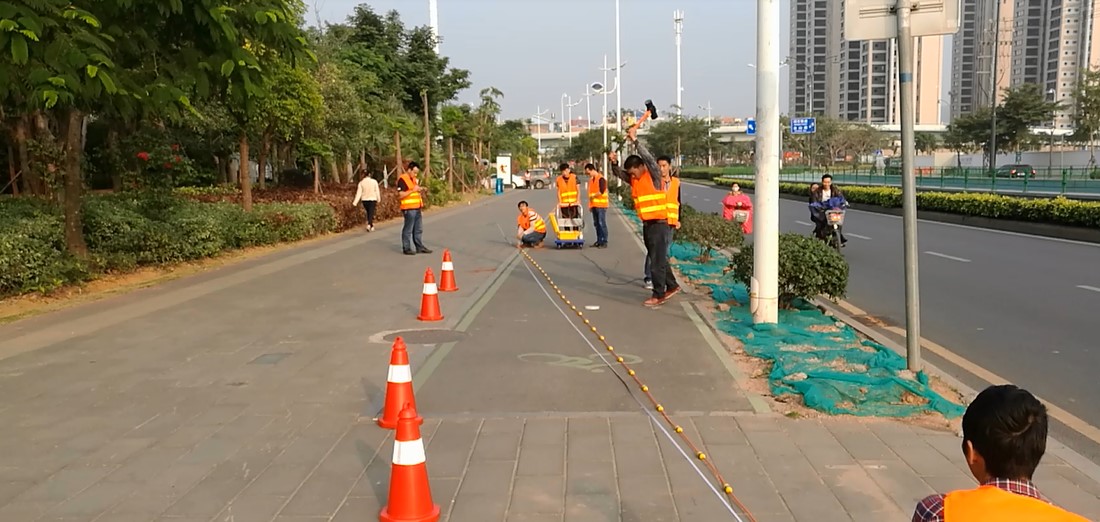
1004	437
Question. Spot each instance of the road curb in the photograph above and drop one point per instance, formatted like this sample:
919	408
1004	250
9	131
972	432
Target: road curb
1079	462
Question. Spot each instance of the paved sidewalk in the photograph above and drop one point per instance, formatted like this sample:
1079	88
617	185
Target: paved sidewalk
247	394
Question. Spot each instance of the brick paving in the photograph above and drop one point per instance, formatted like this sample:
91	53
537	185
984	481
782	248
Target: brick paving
247	394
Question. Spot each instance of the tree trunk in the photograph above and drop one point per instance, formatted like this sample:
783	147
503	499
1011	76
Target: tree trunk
316	175
20	136
427	167
245	174
334	168
112	148
73	150
451	163
397	155
276	163
13	173
261	159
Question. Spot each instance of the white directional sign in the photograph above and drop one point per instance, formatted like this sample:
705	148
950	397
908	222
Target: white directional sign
877	19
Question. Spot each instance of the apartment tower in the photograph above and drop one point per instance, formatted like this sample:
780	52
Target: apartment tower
855	81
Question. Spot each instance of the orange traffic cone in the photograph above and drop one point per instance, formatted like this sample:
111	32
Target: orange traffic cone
447	276
399	388
429	302
410	494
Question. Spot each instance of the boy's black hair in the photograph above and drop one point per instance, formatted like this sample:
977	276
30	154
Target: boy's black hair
563	167
1007	426
589	166
633	161
665	158
412	165
830	176
522	203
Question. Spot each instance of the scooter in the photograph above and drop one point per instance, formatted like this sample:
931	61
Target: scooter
834	222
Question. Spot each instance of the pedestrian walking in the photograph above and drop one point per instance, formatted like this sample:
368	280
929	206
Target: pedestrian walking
368	194
597	203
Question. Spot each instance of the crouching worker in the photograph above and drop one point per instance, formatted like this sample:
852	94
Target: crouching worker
532	229
1004	437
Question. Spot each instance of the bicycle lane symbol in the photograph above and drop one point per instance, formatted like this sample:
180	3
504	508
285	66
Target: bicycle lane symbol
591	363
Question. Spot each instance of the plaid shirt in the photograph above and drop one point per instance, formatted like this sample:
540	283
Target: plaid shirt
931	509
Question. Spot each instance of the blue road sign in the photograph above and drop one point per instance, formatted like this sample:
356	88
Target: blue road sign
803	125
750	127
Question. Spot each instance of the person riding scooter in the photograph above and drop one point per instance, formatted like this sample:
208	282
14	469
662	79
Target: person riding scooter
826	197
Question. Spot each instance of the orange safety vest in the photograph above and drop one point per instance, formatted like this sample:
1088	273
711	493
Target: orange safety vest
567	191
595	198
673	203
993	503
525	221
412	201
649	201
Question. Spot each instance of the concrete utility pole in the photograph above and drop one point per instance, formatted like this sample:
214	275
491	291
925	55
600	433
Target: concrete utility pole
764	291
678	23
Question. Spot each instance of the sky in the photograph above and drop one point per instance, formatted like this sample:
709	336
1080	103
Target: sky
536	50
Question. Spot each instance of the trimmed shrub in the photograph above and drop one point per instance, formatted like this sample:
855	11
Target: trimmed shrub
1057	211
127	230
808	268
709	231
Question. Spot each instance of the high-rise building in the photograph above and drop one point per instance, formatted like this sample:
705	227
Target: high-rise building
1043	42
855	81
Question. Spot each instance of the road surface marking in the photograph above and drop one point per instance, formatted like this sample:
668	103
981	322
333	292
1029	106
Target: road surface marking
857	236
592	363
945	256
1087	287
706	199
804	223
1072	421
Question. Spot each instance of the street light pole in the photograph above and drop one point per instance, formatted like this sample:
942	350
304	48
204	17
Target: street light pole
538	128
562	113
907	99
618	75
710	129
764	285
588	107
678	24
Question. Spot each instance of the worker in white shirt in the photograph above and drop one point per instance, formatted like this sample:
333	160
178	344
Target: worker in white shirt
368	194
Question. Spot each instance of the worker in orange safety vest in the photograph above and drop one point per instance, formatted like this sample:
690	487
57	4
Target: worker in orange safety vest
410	196
568	194
597	203
651	204
530	229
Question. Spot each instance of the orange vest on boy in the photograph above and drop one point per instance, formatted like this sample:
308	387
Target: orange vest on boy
995	504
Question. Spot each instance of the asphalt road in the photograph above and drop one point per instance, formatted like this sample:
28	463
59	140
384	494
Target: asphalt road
1023	307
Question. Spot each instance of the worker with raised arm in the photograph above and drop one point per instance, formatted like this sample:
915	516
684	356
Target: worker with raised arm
649	191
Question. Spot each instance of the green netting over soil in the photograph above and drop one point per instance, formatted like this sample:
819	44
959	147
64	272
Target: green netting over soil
824	361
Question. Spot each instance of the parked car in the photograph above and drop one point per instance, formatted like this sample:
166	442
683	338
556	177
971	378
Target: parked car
540	179
1018	170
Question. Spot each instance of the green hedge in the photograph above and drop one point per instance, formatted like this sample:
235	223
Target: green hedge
1056	211
124	231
